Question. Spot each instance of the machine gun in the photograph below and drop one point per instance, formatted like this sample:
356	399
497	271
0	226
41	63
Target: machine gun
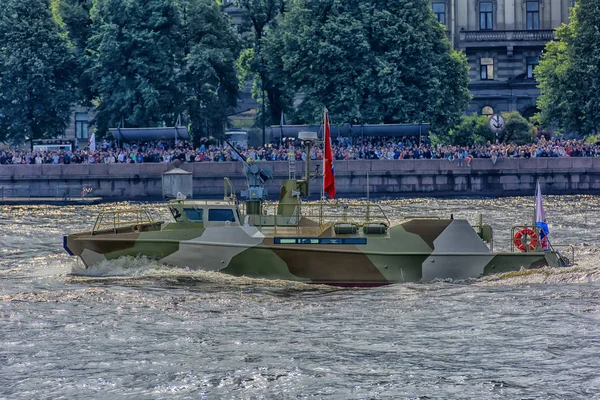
256	177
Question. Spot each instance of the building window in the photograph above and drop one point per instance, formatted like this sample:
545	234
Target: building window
487	68
533	15
81	126
532	62
439	10
487	111
485	16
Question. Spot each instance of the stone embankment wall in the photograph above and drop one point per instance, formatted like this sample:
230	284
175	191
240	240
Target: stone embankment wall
386	178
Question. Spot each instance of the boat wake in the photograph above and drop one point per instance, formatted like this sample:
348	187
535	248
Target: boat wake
143	270
586	270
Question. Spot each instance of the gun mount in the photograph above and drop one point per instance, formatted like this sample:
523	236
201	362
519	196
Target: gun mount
256	177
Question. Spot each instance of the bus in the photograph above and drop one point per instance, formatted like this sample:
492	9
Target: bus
52	147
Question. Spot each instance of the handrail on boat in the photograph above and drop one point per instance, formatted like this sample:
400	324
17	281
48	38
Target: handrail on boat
120	218
322	213
526	241
570	248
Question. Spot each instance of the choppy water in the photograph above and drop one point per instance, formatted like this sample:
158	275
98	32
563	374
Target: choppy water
133	328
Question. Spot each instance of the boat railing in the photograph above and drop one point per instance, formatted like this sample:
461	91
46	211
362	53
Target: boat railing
114	221
528	242
570	251
324	214
534	244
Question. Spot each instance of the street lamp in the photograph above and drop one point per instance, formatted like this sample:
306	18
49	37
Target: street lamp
261	69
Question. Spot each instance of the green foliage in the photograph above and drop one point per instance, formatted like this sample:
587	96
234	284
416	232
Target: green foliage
75	17
475	129
212	49
569	73
153	60
518	130
259	16
369	62
593	139
472	129
134	58
36	72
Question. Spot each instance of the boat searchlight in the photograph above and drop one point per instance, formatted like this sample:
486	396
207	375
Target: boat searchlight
307	137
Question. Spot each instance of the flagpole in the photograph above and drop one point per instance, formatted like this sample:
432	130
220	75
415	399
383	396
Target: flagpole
324	139
537	186
281	122
328	171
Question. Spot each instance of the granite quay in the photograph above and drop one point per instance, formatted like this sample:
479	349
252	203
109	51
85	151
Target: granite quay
509	177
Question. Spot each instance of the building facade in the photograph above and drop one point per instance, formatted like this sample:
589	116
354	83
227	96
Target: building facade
503	41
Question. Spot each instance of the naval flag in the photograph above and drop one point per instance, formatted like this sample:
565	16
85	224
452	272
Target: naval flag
540	218
328	177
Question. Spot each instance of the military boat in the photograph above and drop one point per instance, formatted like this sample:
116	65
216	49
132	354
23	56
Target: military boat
320	242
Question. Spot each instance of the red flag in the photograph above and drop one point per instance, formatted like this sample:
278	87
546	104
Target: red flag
328	177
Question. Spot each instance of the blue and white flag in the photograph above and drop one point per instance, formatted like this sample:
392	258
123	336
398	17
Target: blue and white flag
540	218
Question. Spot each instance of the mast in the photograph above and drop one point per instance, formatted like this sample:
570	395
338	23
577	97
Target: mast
323	166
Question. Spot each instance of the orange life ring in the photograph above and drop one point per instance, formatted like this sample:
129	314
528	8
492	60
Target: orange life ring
532	239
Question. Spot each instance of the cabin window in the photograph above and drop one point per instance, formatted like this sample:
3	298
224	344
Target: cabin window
221	215
194	214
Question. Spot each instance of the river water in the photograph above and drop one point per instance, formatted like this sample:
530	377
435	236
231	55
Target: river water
133	328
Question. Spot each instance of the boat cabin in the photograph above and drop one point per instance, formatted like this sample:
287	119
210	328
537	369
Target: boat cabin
209	214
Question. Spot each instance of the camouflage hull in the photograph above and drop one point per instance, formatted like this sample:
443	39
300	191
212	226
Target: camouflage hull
415	250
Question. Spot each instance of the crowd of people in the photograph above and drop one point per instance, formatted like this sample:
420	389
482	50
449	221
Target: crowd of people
343	149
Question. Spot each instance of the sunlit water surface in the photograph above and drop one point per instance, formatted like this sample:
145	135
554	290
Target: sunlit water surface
138	329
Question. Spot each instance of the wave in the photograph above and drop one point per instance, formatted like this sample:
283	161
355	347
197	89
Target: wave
586	270
144	270
138	270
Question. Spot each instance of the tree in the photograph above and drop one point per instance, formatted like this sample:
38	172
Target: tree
258	17
569	73
517	129
36	72
211	50
135	56
75	17
385	61
472	129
